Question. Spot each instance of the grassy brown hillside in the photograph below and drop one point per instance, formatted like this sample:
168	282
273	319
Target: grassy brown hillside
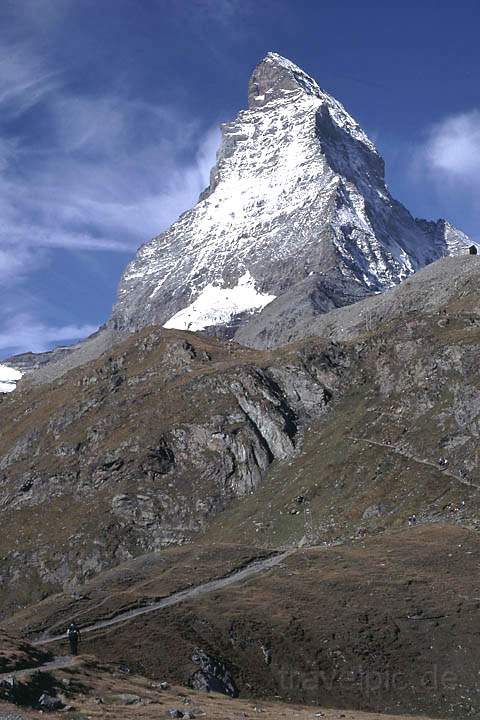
171	436
16	654
90	690
140	449
388	622
174	459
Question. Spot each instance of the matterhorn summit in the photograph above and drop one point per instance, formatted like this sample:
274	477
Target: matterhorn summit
297	198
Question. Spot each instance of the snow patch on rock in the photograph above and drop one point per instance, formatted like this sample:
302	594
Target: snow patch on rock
217	305
8	378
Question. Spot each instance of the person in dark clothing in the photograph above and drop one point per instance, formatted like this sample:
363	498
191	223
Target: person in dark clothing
73	634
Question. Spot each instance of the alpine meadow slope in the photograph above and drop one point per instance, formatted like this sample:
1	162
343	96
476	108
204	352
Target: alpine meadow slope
175	458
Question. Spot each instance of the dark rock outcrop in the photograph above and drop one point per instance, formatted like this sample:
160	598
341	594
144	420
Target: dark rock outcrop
213	675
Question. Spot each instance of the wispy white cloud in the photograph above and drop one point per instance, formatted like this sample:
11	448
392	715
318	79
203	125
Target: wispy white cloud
80	171
102	172
24	333
108	199
452	149
25	79
446	167
113	174
16	262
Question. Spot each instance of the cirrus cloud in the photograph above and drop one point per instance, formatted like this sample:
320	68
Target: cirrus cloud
112	175
101	173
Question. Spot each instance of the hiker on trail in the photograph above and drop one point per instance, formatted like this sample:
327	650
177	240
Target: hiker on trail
73	634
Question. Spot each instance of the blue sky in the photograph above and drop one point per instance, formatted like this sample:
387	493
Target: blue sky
109	112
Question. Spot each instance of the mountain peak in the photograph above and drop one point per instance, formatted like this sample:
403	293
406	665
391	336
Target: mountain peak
276	77
298	191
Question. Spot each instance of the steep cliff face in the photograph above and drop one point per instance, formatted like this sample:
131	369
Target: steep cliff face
298	191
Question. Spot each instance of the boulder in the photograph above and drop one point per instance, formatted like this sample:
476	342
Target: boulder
49	703
212	675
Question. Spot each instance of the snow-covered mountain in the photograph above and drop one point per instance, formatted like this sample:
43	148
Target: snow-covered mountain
298	191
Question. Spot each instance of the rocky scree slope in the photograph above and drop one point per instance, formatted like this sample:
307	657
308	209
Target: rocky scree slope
448	281
298	192
141	448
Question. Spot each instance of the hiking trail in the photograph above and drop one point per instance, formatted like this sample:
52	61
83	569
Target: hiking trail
250	570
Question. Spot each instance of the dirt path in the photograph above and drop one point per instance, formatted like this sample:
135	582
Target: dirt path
253	568
415	458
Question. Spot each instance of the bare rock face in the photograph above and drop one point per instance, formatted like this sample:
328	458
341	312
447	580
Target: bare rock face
213	675
297	198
